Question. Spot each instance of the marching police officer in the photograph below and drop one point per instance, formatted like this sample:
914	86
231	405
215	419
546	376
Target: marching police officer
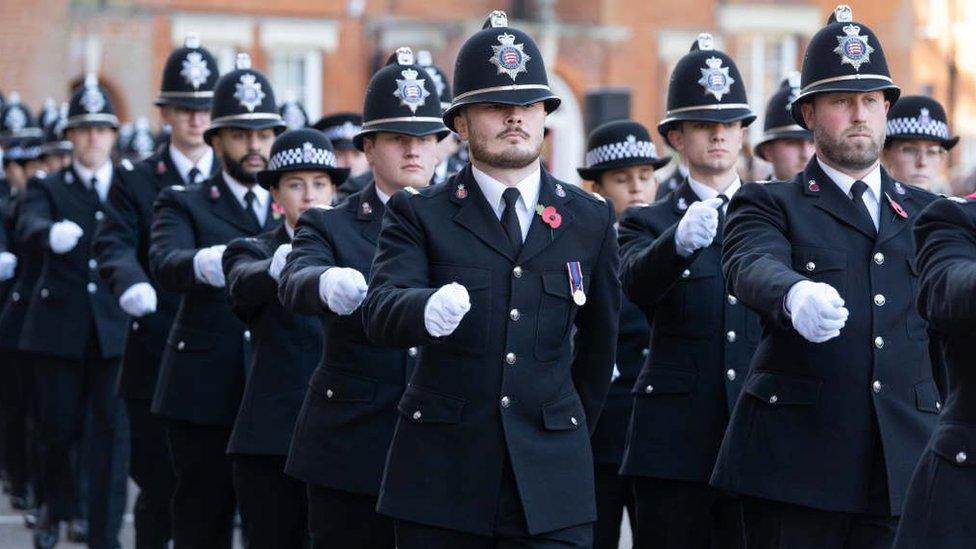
301	174
840	399
918	143
350	410
74	328
122	249
294	115
56	150
784	143
702	338
491	272
620	161
341	128
203	364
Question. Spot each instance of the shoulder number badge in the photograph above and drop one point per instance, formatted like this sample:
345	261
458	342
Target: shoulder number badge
715	78
249	92
853	48
411	90
510	58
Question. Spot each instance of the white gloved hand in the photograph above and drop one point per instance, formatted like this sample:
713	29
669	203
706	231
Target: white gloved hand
8	265
207	267
817	310
138	300
64	236
698	226
278	261
445	309
342	289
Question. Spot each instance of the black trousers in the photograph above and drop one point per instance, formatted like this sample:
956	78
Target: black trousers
66	391
777	525
337	518
686	515
273	506
16	415
203	499
614	493
152	470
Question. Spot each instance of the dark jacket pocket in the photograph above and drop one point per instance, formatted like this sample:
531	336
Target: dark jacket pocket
927	397
956	444
338	386
665	380
783	389
423	406
557	310
563	414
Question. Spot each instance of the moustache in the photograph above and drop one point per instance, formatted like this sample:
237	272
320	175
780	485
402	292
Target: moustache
253	156
517	130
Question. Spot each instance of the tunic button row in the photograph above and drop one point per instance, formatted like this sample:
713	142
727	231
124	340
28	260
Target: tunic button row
732	300
649	389
876	386
506	402
879	300
879	258
510	358
961	457
92	264
92	287
811	266
730	373
879	342
730	336
515	315
517	272
412	352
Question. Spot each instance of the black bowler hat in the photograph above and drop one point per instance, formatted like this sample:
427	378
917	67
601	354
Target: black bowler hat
920	117
437	76
54	141
91	106
844	56
779	123
705	86
400	99
243	98
341	128
16	121
619	144
298	150
189	76
142	142
294	115
500	64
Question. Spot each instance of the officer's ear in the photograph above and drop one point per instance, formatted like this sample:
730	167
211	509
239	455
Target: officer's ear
807	110
461	125
676	137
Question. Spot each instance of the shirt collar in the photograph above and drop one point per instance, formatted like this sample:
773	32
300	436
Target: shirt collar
683	170
184	164
103	175
705	192
381	195
290	231
845	182
238	189
492	189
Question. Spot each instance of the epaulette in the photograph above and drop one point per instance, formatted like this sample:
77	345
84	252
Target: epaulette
411	190
127	165
178	188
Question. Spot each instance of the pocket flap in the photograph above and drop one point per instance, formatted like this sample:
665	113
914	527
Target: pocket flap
817	260
564	414
343	387
664	380
556	284
927	397
423	406
188	340
956	443
783	389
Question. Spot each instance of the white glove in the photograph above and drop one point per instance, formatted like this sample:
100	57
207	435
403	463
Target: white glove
138	300
698	226
8	265
817	310
342	289
64	236
278	261
207	267
445	309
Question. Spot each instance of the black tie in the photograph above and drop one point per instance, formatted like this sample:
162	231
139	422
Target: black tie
721	211
510	220
857	193
191	177
93	189
249	198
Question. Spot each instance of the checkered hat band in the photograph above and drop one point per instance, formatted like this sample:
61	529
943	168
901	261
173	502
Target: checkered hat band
911	126
617	151
302	155
336	133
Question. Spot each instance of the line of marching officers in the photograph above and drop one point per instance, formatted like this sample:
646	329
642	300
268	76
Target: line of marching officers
428	368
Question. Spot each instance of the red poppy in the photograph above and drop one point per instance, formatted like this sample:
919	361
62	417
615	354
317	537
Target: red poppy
551	217
276	208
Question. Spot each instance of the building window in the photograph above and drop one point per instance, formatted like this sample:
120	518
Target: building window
297	75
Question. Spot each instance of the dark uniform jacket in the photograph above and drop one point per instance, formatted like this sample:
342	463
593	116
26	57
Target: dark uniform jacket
201	376
836	425
286	348
29	263
6	233
669	185
70	303
507	380
122	250
702	340
347	420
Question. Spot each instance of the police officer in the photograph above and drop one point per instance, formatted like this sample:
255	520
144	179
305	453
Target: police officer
141	144
620	161
447	164
784	143
56	150
204	360
491	272
301	174
341	128
349	413
918	143
702	339
840	400
939	504
122	250
74	328
294	115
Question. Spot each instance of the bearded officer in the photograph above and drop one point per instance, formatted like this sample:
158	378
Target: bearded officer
918	143
840	399
491	272
203	364
350	410
122	249
784	143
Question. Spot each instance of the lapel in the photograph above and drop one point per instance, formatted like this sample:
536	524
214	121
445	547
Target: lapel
475	215
165	169
279	236
540	235
78	187
828	197
226	206
892	223
369	212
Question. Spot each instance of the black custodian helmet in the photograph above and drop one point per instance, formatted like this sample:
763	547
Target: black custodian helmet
16	121
243	98
189	76
298	150
294	115
437	76
341	128
91	106
920	117
619	144
779	123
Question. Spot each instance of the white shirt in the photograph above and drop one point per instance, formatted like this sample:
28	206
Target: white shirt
103	178
261	196
184	164
528	189
290	230
384	198
705	192
872	199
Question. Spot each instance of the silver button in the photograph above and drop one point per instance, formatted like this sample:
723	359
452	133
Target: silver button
649	389
515	315
135	326
247	335
879	342
92	287
730	336
99	215
732	300
92	264
510	358
879	258
811	266
180	346
517	272
961	457
44	293
645	352
879	300
412	352
417	415
773	399
506	401
685	274
15	296
574	421
329	393
730	373
876	386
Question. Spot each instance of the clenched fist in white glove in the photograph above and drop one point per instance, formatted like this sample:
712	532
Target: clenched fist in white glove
64	236
207	267
342	289
698	226
8	265
445	309
817	310
138	300
278	261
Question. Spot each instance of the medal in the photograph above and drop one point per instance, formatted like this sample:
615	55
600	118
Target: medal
579	298
576	282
